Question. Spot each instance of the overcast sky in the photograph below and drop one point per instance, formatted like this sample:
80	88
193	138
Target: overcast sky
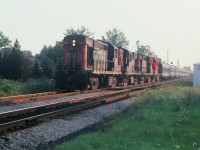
172	25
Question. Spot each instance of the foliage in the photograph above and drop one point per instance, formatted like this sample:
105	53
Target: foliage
5	52
4	41
4	62
145	50
16	46
52	52
38	85
16	64
154	123
37	70
13	65
27	64
80	31
8	87
116	37
49	58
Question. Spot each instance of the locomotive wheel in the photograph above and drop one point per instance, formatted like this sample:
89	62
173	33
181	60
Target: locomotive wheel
131	80
142	80
94	83
153	79
112	81
135	81
125	82
149	79
158	79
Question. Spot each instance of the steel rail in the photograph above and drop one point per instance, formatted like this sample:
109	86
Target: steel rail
39	96
38	118
29	116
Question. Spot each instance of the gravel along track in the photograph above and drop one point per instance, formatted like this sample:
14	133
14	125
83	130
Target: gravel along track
46	101
53	130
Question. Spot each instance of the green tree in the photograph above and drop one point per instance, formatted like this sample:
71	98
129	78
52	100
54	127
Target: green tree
49	58
16	46
145	50
37	70
16	64
15	61
80	31
116	37
4	41
5	63
27	64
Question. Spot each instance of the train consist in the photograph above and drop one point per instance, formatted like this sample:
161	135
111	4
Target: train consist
89	63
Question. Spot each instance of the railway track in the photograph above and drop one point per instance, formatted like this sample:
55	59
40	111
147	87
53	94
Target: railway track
39	96
17	119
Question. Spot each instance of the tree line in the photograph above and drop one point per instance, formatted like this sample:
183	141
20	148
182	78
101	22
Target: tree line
17	64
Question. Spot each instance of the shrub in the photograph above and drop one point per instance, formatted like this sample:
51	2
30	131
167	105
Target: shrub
38	85
9	87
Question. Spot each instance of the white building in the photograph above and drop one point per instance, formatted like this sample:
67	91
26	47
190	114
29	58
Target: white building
196	75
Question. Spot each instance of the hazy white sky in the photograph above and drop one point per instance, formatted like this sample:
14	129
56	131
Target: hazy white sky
172	25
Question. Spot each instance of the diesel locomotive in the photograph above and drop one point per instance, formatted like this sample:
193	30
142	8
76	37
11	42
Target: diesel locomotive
90	64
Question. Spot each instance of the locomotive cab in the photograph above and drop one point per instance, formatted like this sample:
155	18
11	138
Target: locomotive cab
83	60
75	53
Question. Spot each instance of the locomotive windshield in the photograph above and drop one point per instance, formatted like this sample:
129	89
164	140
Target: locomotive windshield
74	53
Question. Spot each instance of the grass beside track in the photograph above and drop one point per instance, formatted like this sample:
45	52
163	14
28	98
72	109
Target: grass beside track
11	88
165	118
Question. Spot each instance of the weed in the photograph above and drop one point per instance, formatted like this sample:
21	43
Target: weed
176	108
38	85
168	119
8	87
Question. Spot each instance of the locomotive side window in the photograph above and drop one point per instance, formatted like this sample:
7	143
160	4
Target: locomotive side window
90	56
119	59
116	54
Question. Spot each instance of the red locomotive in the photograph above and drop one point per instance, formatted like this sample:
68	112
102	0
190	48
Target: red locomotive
89	63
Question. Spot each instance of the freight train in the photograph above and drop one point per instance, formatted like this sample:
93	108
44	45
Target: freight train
90	64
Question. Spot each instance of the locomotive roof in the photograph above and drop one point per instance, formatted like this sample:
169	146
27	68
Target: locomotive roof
87	40
81	38
108	44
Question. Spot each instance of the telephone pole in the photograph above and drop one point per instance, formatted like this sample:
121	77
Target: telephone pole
167	56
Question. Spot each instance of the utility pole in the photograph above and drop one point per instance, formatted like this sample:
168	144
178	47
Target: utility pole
167	56
178	63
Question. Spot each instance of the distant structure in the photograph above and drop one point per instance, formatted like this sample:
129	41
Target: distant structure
6	51
187	68
178	63
196	75
26	53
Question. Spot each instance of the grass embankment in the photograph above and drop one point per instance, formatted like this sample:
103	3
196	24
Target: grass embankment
9	87
164	118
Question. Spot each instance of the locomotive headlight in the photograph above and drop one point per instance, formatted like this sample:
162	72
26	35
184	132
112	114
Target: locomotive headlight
73	42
